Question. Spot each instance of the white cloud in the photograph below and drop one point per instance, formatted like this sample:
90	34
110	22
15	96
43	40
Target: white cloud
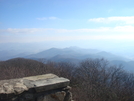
53	18
51	30
125	29
44	34
126	20
47	18
25	30
21	31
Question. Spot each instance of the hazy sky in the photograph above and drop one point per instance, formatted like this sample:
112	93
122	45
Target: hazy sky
106	24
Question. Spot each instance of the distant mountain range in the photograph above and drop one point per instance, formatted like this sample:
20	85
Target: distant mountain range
71	54
9	54
75	53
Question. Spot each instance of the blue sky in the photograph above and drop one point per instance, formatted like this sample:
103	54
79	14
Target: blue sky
103	24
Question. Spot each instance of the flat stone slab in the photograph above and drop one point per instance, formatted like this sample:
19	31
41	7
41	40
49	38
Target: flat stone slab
39	83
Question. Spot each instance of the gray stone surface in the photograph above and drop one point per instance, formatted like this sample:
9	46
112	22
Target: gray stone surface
50	84
39	83
14	86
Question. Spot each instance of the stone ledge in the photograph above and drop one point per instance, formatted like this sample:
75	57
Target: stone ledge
39	83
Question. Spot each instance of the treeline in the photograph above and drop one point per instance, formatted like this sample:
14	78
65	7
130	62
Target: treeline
91	79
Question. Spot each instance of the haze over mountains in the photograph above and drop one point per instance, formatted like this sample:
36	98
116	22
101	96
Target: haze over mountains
70	54
57	55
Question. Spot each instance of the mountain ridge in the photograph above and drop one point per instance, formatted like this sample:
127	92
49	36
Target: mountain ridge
70	54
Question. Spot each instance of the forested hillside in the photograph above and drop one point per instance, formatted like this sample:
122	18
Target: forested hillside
91	79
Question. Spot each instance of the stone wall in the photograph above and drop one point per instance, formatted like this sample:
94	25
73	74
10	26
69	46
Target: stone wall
48	87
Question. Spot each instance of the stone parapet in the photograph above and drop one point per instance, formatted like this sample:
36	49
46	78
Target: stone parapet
48	87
